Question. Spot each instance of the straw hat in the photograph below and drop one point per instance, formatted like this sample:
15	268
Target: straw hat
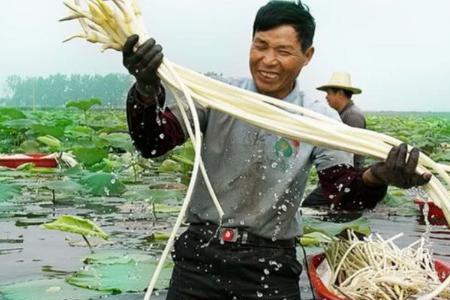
340	80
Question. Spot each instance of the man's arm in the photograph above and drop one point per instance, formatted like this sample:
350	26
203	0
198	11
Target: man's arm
344	188
349	189
154	132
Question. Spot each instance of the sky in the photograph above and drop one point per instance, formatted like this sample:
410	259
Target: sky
398	52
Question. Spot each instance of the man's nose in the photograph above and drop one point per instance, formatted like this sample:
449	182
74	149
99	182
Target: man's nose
270	58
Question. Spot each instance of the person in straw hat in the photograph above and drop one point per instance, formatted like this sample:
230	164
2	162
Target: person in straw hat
339	96
339	91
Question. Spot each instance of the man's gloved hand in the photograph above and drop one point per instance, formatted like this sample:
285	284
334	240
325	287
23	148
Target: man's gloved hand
398	171
143	64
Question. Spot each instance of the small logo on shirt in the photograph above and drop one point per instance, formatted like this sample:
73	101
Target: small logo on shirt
286	148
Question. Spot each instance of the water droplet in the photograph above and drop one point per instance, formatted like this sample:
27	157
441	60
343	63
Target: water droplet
162	136
259	294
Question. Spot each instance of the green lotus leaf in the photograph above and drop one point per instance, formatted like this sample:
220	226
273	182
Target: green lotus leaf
8	191
67	186
314	239
19	123
119	140
53	130
11	113
120	272
78	225
54	289
169	165
84	104
103	184
153	195
50	141
79	131
360	225
89	155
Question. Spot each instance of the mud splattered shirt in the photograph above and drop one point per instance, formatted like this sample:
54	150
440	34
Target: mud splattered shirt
258	177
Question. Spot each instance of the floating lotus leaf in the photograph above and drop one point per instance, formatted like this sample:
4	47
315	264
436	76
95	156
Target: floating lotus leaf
119	140
78	225
103	184
144	193
54	289
8	191
360	225
89	155
67	186
119	272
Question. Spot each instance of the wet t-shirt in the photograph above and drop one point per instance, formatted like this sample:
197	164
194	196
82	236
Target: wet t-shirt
258	177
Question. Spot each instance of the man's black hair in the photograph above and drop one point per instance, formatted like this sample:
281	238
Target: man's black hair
277	13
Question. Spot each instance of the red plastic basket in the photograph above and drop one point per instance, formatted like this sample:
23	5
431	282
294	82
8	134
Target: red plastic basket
322	293
435	214
39	160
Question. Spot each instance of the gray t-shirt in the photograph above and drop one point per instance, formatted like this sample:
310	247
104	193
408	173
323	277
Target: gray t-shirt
258	177
354	117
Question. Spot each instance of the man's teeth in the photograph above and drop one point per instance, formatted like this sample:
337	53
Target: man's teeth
268	75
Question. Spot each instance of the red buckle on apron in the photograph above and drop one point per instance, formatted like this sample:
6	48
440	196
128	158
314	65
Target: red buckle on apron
229	234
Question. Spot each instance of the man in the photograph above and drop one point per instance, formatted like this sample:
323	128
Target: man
252	255
339	91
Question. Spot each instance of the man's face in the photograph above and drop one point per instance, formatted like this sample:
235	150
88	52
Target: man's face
333	99
276	59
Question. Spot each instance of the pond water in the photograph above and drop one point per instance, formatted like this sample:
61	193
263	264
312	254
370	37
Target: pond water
28	252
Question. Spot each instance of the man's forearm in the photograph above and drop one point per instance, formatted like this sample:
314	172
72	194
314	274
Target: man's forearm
154	132
346	188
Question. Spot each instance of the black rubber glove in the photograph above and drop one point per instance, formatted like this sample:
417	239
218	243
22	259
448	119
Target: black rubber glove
398	171
143	64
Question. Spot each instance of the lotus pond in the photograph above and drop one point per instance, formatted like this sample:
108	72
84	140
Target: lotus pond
135	202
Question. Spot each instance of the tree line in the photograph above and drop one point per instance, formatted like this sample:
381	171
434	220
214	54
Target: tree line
55	90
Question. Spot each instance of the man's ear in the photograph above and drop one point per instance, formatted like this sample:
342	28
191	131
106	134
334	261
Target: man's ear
309	54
